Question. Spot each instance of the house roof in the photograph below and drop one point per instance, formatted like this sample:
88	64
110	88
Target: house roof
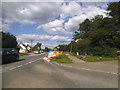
23	46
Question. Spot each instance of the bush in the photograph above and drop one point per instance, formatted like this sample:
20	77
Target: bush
82	46
108	51
105	51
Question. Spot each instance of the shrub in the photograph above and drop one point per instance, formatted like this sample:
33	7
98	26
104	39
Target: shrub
105	51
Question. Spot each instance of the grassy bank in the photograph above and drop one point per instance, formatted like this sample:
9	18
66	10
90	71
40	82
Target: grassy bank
90	58
63	59
22	54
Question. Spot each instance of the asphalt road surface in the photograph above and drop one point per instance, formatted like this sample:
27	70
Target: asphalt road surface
34	72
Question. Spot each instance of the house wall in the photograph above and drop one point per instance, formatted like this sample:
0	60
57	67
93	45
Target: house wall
22	51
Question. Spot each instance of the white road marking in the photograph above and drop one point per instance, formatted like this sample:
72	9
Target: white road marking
29	62
26	63
98	71
32	61
12	68
20	65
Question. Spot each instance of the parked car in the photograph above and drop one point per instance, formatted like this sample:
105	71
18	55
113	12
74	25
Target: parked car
42	52
36	52
9	55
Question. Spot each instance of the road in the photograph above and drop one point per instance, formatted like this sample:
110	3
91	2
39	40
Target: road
34	72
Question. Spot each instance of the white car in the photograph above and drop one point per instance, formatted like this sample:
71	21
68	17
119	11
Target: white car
36	52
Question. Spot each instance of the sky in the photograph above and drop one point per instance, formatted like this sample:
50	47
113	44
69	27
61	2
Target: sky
50	23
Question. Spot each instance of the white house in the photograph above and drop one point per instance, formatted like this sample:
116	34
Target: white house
22	47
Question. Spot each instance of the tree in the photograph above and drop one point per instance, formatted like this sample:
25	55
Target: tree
100	36
84	27
37	47
114	12
47	49
63	47
8	41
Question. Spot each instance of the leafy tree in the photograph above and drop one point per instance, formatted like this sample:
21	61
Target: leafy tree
114	12
85	27
100	36
8	41
83	46
63	47
37	47
47	49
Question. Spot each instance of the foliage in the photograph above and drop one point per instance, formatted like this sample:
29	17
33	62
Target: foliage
47	49
100	35
63	47
8	41
63	59
90	58
37	47
104	51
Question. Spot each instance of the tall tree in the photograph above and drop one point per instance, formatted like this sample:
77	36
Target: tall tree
100	35
37	46
8	41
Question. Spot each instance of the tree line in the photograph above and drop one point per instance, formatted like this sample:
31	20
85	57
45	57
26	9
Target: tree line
99	35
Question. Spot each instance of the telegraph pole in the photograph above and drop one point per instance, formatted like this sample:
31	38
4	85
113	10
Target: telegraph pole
71	46
31	42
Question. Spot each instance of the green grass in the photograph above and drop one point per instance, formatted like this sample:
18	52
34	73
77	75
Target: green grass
63	59
90	58
22	54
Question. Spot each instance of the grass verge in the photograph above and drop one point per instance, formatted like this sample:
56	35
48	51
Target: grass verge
90	58
63	59
22	54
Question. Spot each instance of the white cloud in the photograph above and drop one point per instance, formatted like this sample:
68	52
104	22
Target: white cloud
42	46
71	9
30	13
4	27
44	12
27	37
48	45
33	1
92	11
73	23
87	12
54	27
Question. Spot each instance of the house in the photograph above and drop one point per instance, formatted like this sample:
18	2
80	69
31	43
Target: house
24	48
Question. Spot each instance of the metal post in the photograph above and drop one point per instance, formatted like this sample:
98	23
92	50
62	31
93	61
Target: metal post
31	42
71	46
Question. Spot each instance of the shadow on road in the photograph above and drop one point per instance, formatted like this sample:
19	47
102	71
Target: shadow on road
13	61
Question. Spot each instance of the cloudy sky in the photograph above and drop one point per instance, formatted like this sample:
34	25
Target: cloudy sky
50	23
